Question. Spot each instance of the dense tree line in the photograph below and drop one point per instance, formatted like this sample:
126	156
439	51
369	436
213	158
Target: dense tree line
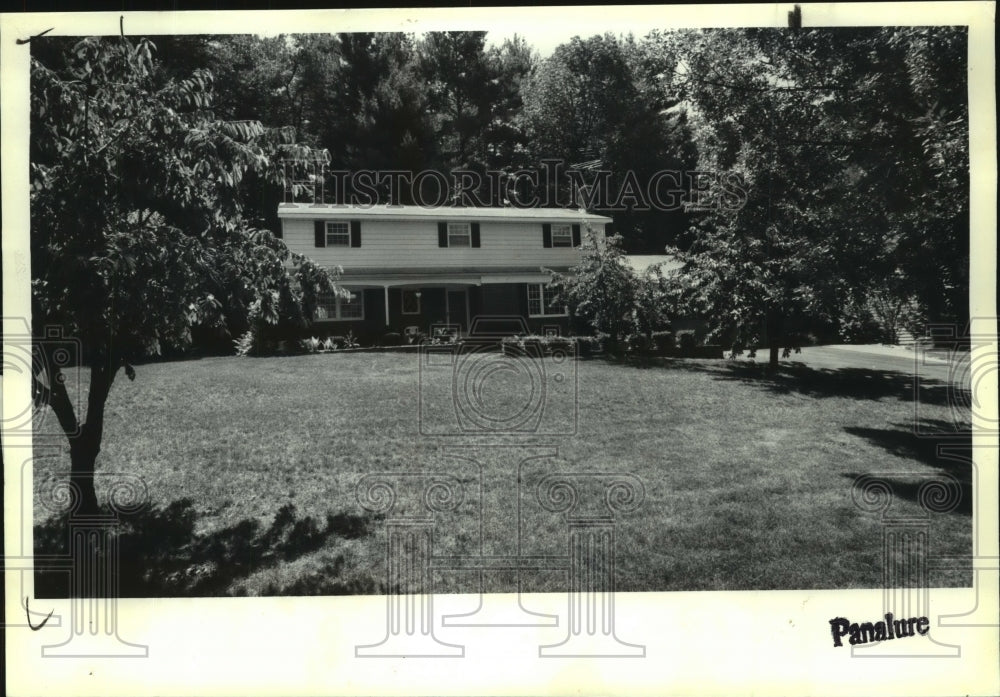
849	149
853	148
450	101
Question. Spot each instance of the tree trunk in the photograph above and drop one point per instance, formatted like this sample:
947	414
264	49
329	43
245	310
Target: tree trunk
773	329
772	364
84	439
83	458
86	446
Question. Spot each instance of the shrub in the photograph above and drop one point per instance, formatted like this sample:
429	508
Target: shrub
392	339
560	343
638	343
541	345
612	344
594	344
686	342
245	344
664	342
601	289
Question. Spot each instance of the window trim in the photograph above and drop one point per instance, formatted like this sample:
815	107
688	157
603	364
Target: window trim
467	234
567	236
402	302
327	233
359	294
541	295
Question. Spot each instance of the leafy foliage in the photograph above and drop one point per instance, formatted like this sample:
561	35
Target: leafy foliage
841	156
605	294
136	213
597	103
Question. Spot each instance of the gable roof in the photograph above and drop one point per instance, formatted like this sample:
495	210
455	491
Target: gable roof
534	215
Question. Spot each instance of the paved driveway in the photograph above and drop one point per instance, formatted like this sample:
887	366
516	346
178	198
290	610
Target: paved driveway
932	366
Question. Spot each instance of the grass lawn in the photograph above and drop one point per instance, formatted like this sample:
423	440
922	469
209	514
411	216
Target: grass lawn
252	467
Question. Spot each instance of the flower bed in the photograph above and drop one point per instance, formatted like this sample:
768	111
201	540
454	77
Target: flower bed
533	344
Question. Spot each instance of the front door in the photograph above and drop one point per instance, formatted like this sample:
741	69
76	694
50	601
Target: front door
458	309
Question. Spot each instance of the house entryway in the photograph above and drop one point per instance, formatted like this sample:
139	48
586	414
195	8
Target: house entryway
456	308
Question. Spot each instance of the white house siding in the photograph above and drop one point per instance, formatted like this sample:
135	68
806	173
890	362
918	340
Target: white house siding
401	243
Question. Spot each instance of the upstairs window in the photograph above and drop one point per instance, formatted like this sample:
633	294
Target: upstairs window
459	235
562	235
338	233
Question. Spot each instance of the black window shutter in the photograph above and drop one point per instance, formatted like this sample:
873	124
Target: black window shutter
576	235
442	234
475	234
546	234
355	233
320	228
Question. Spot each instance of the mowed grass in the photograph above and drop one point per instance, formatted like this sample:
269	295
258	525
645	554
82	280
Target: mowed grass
252	468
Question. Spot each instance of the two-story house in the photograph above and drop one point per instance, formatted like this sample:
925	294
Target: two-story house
410	268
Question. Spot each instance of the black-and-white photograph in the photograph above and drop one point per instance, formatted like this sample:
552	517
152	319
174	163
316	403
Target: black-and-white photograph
497	315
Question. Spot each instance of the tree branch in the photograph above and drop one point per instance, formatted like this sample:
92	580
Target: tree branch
102	376
761	90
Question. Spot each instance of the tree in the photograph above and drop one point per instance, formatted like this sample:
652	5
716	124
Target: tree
137	227
513	63
597	103
258	78
652	302
838	162
462	87
916	162
370	108
601	290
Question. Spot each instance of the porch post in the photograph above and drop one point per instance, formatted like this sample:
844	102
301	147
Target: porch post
468	310
385	288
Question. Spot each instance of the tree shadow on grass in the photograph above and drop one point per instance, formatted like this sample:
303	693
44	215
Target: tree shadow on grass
798	378
952	456
161	555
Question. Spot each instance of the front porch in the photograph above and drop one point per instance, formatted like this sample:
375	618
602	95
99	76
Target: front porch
430	306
